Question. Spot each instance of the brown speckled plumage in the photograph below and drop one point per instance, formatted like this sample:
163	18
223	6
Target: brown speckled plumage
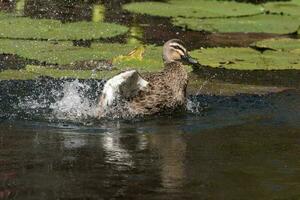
166	92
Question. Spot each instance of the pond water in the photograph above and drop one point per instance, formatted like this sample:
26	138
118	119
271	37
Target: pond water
225	146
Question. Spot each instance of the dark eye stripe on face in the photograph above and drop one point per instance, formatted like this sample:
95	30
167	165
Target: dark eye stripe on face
179	47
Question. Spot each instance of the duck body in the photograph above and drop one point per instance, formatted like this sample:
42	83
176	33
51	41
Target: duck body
165	93
130	94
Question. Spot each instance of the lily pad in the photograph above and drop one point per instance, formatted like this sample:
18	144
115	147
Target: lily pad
62	52
4	15
247	59
123	56
282	44
287	7
27	28
260	23
33	72
194	8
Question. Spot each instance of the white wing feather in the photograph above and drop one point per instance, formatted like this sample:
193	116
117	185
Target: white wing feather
124	85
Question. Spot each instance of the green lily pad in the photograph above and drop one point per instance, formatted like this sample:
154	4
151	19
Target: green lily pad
62	52
33	72
282	44
4	15
288	7
194	8
27	28
123	56
148	63
247	59
260	23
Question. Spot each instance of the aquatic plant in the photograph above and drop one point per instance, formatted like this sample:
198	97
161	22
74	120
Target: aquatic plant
35	71
57	58
194	8
286	7
62	52
28	28
259	23
61	59
248	59
278	44
225	16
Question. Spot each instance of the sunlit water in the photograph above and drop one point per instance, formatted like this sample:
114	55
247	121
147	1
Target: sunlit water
223	147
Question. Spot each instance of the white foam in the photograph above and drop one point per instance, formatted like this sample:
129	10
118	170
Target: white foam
73	105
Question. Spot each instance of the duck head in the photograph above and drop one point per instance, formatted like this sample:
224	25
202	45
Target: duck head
174	51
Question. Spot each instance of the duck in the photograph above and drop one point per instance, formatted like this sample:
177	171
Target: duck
130	94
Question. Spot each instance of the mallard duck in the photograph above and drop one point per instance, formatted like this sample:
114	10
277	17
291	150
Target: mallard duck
130	94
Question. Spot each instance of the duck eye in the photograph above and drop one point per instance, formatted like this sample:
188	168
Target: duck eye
179	48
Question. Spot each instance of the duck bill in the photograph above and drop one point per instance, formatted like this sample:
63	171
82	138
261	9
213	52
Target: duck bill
190	60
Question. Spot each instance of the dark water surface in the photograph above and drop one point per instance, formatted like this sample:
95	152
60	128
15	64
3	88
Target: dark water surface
150	160
223	147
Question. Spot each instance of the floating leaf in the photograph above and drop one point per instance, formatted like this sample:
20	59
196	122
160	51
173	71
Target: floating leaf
4	15
124	56
194	8
247	59
27	28
62	52
287	7
282	44
33	72
136	54
260	23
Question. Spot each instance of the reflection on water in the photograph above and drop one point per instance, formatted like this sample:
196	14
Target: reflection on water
238	147
225	147
172	152
115	153
149	160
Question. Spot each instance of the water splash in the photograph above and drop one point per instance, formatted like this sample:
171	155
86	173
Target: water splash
49	99
193	105
75	104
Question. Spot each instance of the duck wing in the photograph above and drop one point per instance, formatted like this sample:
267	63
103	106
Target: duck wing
125	85
156	99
